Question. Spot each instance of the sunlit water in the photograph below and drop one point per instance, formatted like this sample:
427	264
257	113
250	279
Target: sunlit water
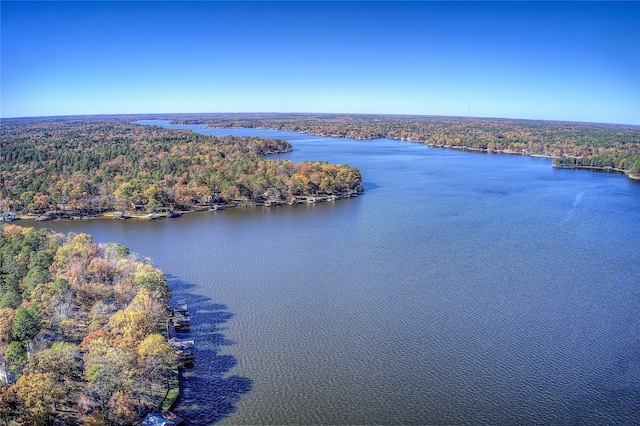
460	288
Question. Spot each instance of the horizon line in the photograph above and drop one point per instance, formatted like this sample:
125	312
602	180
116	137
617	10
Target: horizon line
318	113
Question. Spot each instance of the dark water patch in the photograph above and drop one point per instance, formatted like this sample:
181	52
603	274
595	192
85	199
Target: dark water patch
370	186
211	394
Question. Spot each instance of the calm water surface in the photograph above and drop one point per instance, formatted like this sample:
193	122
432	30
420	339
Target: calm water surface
460	288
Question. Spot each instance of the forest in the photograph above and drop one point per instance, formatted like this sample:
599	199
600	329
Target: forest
83	331
90	165
587	144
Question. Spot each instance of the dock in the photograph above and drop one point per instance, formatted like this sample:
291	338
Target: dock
180	318
184	351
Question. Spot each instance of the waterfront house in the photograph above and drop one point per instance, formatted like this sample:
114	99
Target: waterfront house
7	217
167	419
6	376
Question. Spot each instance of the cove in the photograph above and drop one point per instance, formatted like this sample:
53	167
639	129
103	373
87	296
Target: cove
460	288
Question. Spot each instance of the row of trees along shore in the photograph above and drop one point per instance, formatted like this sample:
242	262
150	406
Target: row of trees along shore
91	165
82	331
582	144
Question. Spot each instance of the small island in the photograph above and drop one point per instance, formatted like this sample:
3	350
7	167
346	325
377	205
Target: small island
84	332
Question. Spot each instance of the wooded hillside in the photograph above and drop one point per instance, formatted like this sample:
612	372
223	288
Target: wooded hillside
83	331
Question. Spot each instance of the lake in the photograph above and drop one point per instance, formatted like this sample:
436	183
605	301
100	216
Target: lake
460	288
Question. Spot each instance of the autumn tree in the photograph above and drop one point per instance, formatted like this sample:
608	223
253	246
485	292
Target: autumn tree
156	358
132	325
6	323
108	369
151	279
10	405
63	361
37	393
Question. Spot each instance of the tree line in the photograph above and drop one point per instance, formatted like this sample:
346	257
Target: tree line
82	331
630	164
89	165
615	146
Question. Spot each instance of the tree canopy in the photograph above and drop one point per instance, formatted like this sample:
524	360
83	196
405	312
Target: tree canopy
87	341
89	165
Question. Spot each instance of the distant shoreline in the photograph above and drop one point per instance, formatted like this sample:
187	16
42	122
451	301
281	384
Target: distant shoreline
455	147
551	157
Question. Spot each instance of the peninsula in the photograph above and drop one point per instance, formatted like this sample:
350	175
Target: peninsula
86	166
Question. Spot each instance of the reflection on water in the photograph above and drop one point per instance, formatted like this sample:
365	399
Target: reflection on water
458	289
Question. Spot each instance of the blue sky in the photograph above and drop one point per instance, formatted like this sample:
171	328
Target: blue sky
570	61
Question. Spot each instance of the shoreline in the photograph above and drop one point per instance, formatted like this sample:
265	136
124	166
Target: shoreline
445	146
139	215
605	169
